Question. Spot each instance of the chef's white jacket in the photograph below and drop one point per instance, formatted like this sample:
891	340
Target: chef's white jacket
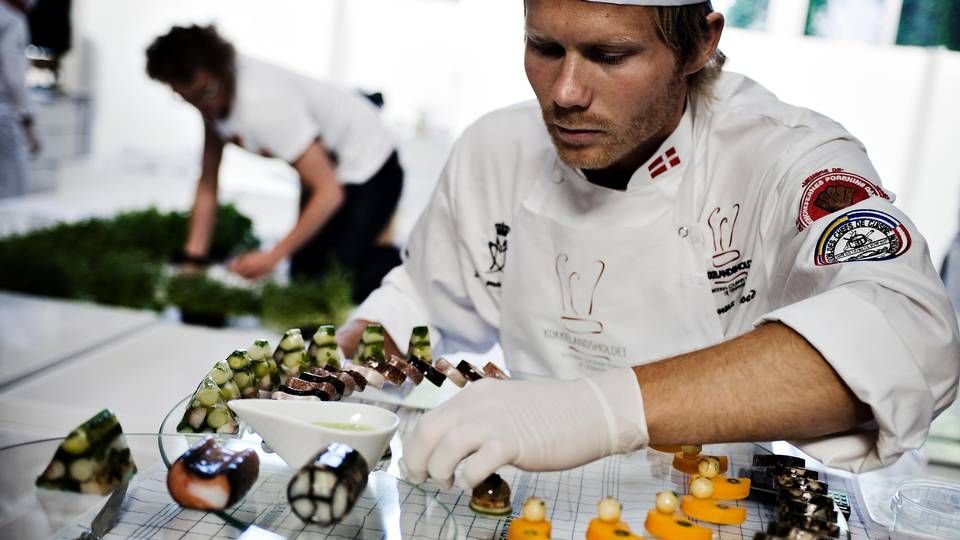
751	211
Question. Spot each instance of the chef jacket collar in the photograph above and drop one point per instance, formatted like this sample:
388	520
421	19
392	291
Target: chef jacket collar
670	160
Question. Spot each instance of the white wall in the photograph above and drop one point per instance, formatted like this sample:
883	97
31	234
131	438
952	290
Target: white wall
443	63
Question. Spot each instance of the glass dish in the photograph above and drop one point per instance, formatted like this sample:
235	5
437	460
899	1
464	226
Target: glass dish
388	508
926	510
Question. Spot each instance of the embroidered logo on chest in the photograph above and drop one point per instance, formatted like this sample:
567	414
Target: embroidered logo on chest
729	270
829	191
497	250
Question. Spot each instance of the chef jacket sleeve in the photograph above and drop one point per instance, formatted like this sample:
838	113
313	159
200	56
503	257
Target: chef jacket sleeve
437	285
858	284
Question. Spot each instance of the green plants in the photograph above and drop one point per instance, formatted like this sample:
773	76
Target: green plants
208	302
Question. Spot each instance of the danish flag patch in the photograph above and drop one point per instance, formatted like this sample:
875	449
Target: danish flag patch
664	162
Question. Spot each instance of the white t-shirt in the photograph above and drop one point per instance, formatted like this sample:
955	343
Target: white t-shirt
278	113
790	225
13	62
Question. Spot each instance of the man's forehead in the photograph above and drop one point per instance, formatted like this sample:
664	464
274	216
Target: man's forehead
665	3
587	21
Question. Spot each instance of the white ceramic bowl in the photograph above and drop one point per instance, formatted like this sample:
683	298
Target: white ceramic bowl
291	429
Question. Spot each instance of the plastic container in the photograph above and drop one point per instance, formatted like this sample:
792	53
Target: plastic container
926	511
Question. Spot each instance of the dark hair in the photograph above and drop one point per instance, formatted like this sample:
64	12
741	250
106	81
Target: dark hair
176	56
684	29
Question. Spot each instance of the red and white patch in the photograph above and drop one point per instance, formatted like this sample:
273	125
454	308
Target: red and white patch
664	162
830	190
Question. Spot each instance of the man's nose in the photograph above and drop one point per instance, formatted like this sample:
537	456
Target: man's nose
570	90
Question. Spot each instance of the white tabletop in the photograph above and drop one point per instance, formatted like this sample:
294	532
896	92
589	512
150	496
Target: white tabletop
37	333
139	377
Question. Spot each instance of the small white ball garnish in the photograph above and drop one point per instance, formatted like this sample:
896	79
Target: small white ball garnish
608	509
534	509
691	450
708	466
701	488
666	502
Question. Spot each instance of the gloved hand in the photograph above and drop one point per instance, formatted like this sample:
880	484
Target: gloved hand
535	425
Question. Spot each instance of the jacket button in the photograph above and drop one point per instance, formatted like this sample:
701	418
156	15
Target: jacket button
682	232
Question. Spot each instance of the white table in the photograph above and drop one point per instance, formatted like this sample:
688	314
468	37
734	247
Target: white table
38	333
139	377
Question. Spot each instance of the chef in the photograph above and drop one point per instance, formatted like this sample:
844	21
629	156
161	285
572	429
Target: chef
350	175
667	255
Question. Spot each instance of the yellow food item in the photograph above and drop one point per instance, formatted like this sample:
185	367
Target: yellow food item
668	448
711	511
524	529
691	450
689	464
604	530
730	489
674	527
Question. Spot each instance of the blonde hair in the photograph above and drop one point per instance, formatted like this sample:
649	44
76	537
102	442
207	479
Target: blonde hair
684	29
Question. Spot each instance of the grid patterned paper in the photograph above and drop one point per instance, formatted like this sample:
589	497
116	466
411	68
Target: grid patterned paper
391	509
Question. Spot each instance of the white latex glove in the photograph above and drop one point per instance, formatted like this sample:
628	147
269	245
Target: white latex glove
535	425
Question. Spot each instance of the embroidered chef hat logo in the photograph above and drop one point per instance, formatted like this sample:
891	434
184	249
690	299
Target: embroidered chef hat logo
722	224
578	289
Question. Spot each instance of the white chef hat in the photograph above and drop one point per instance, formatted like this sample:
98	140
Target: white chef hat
650	2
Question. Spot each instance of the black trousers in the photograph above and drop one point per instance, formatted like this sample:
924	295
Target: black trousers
349	238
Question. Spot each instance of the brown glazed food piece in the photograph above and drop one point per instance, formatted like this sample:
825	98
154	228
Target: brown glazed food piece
210	477
492	496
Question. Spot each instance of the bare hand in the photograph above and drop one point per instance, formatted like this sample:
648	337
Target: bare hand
348	338
255	264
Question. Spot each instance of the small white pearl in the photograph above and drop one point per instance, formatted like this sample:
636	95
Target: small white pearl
666	502
534	509
608	509
701	488
708	466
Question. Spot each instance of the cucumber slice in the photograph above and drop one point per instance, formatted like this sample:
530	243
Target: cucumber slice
208	393
230	390
326	335
293	359
218	416
244	379
373	333
292	340
259	350
261	369
238	359
77	443
221	372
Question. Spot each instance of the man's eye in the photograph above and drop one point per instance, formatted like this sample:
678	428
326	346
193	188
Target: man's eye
608	58
550	50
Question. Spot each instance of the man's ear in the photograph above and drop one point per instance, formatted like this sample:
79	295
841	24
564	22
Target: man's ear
714	30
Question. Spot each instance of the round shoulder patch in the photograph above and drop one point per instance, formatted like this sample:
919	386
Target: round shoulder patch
862	235
828	191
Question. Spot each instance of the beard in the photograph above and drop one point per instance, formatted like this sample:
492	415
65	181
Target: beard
617	139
